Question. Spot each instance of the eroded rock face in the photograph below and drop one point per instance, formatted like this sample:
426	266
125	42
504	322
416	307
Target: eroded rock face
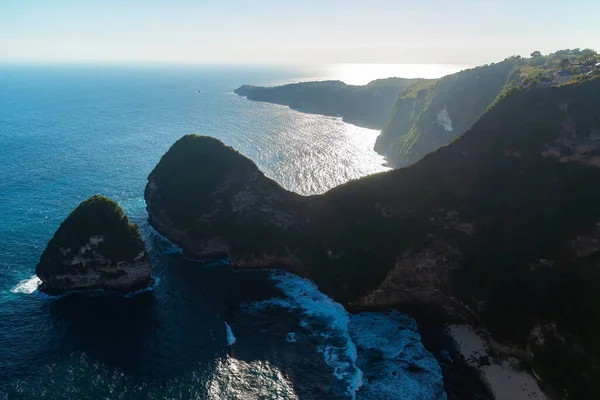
95	248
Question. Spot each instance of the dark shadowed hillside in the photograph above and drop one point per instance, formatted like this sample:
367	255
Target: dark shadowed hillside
505	221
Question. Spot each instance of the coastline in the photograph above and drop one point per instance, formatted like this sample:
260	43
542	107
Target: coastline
474	367
470	370
367	123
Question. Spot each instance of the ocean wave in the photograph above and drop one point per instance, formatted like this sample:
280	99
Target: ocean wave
170	247
150	287
230	336
323	316
27	286
395	362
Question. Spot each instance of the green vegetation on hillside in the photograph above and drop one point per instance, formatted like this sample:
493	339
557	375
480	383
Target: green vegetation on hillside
97	216
561	67
429	116
368	105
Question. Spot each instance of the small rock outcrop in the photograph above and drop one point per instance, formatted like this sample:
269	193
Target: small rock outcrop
95	248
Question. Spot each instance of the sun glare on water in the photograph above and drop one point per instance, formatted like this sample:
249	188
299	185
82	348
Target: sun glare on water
361	74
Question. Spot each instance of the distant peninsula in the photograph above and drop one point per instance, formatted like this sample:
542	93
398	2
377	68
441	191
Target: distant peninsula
368	106
95	248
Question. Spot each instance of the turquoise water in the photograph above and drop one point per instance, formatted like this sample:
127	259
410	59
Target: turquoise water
69	132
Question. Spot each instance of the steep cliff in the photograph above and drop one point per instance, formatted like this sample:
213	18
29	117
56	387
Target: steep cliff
214	202
503	224
95	248
368	106
431	114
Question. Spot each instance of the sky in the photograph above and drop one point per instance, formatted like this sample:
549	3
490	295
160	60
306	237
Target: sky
291	32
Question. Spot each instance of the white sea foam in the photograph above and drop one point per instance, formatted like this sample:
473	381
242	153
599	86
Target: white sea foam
443	120
327	318
30	286
230	336
27	286
155	282
399	366
172	248
290	337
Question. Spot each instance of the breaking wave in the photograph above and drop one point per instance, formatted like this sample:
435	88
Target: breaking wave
31	285
27	286
396	364
320	316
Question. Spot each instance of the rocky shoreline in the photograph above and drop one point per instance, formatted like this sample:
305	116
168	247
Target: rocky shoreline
126	289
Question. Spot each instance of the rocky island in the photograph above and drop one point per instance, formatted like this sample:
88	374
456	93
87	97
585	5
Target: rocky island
95	247
501	227
368	106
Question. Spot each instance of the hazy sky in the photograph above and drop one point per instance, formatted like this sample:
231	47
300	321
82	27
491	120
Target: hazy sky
285	32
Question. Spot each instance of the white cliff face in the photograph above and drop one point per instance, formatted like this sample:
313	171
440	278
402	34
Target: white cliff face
443	120
86	254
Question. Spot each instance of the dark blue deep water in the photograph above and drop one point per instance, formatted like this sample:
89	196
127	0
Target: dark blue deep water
69	132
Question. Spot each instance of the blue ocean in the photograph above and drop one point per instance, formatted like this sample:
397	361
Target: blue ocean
202	331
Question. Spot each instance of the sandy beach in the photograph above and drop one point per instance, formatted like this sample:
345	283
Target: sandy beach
506	380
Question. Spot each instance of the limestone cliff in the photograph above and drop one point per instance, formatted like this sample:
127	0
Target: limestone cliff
432	114
367	106
502	223
95	248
